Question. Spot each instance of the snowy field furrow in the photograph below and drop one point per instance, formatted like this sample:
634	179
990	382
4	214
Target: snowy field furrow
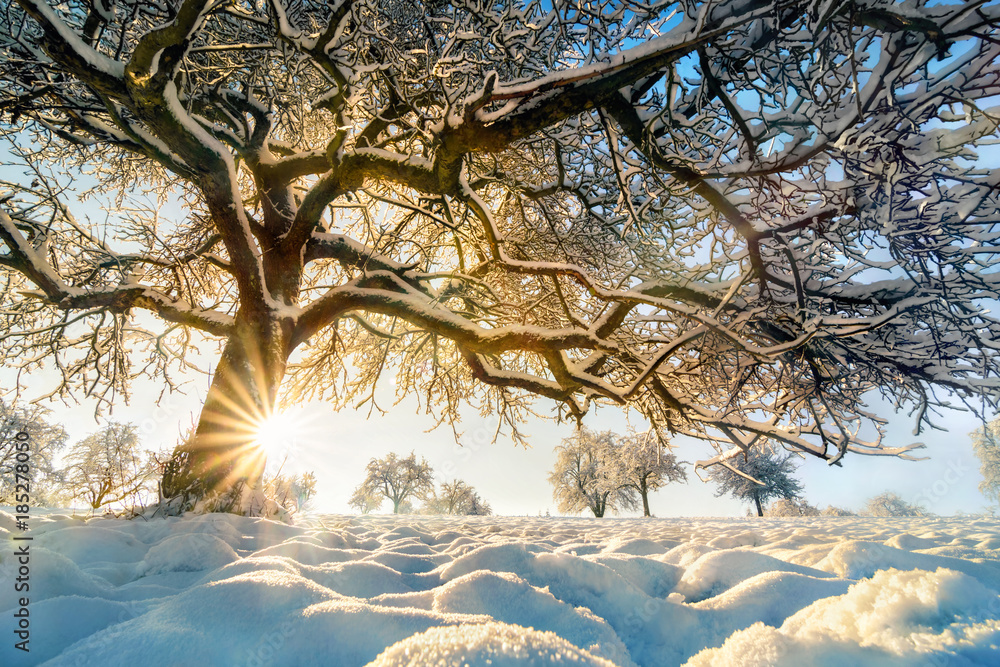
428	590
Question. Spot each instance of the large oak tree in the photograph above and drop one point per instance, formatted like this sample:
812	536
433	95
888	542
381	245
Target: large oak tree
737	217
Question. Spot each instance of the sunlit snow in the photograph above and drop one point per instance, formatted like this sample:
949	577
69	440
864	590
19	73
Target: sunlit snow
419	590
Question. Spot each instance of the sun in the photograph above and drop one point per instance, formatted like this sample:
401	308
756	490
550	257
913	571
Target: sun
278	435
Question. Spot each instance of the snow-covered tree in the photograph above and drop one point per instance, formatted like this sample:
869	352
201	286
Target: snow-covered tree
109	467
738	217
457	497
45	441
397	479
588	475
647	464
890	504
757	477
364	503
478	507
986	446
833	510
787	507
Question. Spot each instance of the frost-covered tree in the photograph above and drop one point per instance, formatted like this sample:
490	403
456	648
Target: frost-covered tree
986	446
109	467
890	504
647	464
588	475
756	477
364	503
738	217
789	507
457	497
397	479
45	441
478	507
292	492
833	510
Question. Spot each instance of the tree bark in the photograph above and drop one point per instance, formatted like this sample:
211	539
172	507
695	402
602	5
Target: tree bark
644	492
220	458
756	500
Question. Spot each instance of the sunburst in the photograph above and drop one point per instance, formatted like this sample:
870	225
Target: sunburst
278	434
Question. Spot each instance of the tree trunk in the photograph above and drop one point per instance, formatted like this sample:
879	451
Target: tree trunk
756	500
644	492
220	457
395	505
599	506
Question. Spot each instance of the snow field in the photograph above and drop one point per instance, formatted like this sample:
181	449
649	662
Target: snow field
424	590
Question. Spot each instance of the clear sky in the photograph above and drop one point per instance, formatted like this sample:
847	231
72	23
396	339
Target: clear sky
336	446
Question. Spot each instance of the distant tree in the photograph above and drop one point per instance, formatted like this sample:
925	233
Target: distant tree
45	442
109	467
587	475
646	464
756	476
478	507
890	504
364	503
784	507
457	497
832	510
986	446
395	479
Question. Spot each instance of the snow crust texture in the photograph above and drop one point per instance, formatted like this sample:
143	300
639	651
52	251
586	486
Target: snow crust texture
418	590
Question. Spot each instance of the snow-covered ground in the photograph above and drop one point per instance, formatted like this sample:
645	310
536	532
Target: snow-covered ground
416	590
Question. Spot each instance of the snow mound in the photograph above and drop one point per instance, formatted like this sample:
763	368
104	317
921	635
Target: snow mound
744	539
188	552
494	557
494	644
909	542
858	559
92	544
634	547
406	563
506	597
718	571
350	632
894	618
62	621
685	554
218	525
310	554
52	575
8	522
221	623
653	577
253	564
362	579
769	597
569	578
